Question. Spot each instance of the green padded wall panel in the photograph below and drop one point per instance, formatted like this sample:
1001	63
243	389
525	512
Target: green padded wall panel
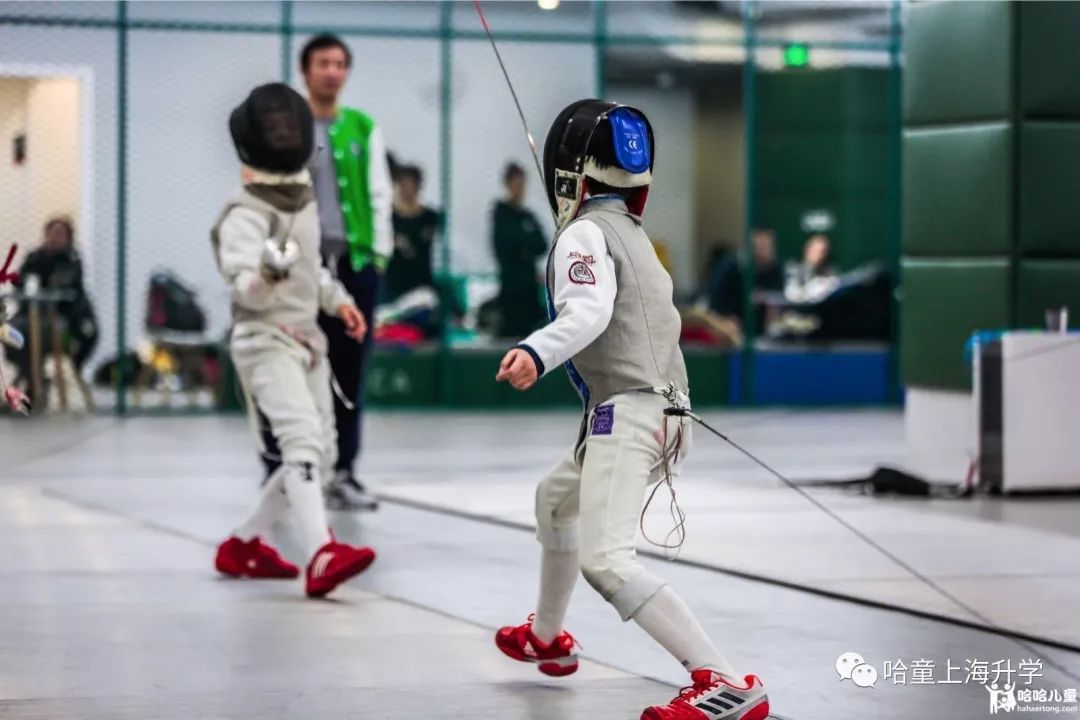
956	191
860	239
1049	61
795	162
709	372
958	59
822	143
866	176
402	378
1049	189
864	237
853	99
1045	284
943	302
792	162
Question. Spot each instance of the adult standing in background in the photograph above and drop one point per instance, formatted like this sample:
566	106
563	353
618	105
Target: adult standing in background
519	242
355	199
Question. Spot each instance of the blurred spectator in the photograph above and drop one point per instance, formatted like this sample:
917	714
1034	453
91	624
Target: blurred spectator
55	268
717	317
813	278
823	305
768	275
519	242
410	300
723	292
415	227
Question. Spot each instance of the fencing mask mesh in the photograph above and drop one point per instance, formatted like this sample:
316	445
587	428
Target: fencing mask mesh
273	129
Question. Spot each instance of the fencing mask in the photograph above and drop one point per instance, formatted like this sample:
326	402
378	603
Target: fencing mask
600	142
273	130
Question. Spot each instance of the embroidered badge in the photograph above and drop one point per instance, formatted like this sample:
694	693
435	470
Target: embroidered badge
581	274
603	420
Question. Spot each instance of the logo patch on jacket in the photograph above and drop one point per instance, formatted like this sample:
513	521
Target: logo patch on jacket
581	274
603	420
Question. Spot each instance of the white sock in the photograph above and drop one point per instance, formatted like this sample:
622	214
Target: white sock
668	620
272	503
305	495
558	573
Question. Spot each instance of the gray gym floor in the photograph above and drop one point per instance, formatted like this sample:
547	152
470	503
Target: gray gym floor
109	608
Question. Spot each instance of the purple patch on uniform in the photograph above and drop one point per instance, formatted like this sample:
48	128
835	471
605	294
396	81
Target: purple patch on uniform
603	420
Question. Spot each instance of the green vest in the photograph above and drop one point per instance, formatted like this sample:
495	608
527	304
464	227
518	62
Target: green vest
350	142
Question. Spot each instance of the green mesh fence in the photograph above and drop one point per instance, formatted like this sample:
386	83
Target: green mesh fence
113	114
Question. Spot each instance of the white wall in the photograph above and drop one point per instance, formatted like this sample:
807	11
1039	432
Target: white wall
17	225
330	14
182	167
46	184
52	124
670	213
91	55
487	132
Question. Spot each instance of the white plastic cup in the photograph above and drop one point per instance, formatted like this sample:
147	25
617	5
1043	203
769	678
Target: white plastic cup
1057	319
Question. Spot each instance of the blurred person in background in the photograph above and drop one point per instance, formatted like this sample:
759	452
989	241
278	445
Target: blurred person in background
768	275
822	305
353	192
409	302
519	242
415	228
55	267
718	312
723	289
814	278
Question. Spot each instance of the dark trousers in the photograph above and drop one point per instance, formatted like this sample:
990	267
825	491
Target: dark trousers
348	361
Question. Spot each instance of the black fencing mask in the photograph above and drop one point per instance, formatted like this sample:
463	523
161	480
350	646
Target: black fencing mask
273	130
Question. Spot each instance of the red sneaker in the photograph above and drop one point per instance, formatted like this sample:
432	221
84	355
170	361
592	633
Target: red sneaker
253	559
713	697
333	564
557	659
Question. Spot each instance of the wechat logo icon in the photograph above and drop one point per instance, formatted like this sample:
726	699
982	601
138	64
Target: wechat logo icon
853	666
